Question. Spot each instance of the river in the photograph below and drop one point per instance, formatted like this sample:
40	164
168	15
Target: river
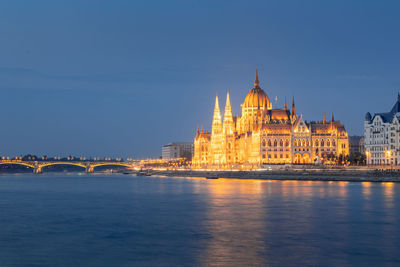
123	220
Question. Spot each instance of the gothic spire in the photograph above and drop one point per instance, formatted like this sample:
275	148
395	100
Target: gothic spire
228	125
216	124
256	81
332	119
293	107
216	108
324	118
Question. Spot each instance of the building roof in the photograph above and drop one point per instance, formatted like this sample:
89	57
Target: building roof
388	116
278	114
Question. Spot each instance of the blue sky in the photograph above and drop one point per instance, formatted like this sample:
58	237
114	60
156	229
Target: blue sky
122	78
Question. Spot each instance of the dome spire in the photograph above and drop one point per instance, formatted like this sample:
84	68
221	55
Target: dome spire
256	81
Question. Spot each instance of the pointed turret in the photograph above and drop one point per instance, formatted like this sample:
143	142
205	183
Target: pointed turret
256	81
217	114
324	119
293	115
331	124
216	135
293	107
202	129
228	125
198	131
285	107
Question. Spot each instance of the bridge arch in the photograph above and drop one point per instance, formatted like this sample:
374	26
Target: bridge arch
94	165
17	163
41	166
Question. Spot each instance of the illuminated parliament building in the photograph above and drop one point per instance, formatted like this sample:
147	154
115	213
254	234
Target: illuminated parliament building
263	135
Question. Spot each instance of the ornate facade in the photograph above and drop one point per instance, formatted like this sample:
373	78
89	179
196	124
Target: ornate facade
382	136
263	135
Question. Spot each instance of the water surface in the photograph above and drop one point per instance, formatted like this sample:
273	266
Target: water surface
122	220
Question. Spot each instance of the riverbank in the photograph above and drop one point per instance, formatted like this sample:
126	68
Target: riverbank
350	175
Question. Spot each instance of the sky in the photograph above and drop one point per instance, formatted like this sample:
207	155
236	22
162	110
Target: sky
122	78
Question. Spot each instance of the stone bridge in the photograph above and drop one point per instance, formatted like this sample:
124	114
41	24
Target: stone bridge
37	166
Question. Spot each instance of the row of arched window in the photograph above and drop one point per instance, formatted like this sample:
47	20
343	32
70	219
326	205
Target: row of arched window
299	142
275	143
322	142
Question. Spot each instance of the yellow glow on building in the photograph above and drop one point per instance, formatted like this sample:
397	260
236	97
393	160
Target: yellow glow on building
263	135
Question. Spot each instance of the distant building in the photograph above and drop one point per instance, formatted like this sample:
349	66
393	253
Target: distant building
355	144
382	136
177	150
362	146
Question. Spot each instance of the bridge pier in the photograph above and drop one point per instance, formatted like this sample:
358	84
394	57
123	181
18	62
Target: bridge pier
89	169
37	170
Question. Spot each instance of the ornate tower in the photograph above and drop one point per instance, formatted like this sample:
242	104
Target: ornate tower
229	133
217	135
293	115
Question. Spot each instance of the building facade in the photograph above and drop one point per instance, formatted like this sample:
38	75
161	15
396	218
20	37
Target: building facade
382	137
263	135
177	150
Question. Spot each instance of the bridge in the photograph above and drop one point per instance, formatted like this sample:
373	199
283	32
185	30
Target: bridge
88	166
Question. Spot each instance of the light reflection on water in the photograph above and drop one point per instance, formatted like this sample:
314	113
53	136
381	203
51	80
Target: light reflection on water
150	221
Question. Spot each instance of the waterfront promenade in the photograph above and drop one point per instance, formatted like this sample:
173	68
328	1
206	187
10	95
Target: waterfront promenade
351	174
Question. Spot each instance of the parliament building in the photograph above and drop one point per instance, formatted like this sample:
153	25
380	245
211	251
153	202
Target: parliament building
263	135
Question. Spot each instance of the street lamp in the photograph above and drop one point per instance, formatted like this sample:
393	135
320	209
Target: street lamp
389	154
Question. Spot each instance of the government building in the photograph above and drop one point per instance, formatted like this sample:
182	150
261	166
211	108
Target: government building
382	136
263	135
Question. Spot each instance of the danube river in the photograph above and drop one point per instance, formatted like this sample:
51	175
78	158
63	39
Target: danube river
123	220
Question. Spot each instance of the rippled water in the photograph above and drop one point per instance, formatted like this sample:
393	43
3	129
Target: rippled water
121	220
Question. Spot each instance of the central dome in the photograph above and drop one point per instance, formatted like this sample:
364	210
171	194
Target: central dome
257	98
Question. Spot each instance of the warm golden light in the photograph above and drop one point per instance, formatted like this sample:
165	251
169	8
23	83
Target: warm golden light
263	135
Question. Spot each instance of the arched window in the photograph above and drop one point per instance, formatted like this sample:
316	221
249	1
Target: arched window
263	143
229	145
316	143
308	143
269	142
328	143
287	143
322	142
333	143
275	143
295	142
281	143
